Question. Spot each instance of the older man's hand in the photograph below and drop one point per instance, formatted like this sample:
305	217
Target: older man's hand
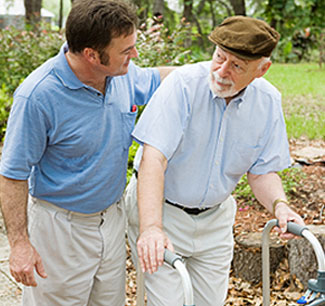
151	245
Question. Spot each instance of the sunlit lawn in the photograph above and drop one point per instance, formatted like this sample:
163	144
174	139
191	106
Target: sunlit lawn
303	91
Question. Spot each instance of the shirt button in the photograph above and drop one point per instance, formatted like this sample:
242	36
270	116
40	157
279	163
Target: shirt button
217	163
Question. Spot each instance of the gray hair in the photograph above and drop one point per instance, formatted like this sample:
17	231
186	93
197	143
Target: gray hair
263	62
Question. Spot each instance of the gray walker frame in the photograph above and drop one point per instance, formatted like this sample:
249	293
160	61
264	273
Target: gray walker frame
177	263
315	287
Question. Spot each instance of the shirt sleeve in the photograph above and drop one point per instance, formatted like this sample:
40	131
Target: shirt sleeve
164	119
25	139
275	155
146	81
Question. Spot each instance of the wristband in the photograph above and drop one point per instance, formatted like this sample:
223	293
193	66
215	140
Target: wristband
276	202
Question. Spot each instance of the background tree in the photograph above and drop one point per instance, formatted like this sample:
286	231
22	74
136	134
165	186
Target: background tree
239	7
33	11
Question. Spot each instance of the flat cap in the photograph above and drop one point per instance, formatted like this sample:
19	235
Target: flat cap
245	37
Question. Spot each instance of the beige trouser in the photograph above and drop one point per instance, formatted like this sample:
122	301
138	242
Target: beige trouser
83	255
206	243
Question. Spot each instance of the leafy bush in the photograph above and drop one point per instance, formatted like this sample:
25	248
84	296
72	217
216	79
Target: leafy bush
5	104
158	47
23	51
291	180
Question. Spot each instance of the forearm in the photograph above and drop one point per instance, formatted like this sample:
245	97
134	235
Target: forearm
151	188
14	197
267	188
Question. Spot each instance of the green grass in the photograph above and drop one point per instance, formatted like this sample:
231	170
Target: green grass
303	91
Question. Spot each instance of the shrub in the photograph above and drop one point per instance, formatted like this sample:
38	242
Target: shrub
157	46
291	180
5	104
23	51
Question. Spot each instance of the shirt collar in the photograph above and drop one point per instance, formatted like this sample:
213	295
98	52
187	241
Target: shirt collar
238	99
64	72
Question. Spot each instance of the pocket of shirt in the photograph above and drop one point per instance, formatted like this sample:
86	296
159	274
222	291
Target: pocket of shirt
128	120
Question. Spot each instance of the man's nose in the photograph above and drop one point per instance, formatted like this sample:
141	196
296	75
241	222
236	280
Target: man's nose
224	69
134	53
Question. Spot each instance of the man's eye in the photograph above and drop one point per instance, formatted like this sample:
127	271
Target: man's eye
237	67
219	58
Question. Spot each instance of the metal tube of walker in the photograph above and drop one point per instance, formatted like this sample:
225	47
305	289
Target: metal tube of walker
176	262
297	230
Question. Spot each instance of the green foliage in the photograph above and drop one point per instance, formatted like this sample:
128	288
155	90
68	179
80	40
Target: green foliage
21	53
24	51
5	104
158	47
291	180
133	149
299	22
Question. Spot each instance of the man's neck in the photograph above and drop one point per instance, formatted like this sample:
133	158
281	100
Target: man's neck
85	72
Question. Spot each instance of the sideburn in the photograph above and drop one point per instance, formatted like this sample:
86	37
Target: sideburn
103	57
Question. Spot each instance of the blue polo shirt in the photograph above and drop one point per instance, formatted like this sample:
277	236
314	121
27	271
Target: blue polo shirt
69	139
208	144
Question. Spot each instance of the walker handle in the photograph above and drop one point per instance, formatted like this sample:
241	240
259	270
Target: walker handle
294	228
171	257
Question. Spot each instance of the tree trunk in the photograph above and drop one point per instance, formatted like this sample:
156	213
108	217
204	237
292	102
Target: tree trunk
301	255
188	15
33	11
238	7
187	12
61	14
247	262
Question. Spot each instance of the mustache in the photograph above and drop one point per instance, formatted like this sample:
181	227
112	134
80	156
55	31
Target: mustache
220	79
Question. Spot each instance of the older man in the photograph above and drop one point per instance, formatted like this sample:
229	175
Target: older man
205	127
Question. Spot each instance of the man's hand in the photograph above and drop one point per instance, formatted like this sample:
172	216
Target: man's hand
151	246
285	214
23	259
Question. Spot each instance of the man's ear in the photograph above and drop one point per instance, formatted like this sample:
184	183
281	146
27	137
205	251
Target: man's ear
91	55
264	68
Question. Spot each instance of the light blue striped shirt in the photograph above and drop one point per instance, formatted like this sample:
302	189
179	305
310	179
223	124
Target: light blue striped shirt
209	145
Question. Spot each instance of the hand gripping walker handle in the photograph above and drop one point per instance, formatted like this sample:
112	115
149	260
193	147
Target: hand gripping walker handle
294	228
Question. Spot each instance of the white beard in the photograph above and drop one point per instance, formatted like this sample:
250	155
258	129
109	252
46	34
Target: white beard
219	90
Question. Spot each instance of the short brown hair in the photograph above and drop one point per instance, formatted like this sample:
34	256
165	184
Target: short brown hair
93	23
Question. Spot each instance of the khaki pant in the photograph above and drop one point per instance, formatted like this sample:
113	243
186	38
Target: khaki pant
83	255
206	243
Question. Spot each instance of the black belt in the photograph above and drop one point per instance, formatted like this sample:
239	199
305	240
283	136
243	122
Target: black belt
190	211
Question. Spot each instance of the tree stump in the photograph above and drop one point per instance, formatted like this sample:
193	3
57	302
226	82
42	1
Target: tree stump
247	262
301	256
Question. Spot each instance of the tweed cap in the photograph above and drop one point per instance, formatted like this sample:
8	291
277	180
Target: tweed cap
245	37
